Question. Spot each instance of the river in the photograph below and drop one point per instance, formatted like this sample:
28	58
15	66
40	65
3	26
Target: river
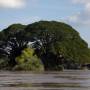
66	80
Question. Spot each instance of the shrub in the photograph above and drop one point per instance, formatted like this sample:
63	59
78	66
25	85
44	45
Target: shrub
28	61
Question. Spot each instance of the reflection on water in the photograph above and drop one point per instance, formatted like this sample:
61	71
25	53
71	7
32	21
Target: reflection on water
66	80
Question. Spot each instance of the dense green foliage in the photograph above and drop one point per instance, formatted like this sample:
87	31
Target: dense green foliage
61	46
59	39
28	61
12	29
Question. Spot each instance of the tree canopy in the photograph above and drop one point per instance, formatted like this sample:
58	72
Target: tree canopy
59	44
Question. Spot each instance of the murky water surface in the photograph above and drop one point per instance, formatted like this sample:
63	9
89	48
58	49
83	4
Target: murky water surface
66	80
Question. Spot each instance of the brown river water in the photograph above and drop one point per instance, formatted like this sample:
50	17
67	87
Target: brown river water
66	80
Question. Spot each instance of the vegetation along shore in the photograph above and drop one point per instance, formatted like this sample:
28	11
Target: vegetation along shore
43	45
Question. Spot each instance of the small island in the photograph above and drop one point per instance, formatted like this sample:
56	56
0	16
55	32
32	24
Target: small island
43	45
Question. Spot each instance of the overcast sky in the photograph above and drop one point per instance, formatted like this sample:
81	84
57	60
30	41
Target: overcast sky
73	12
